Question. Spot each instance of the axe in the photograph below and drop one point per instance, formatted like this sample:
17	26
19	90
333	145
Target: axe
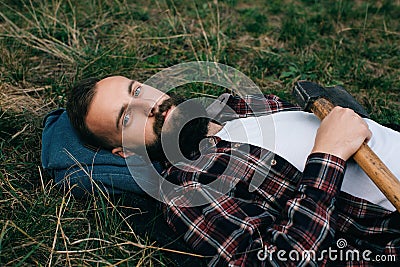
321	101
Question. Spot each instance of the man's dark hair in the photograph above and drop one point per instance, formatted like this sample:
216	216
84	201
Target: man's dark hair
79	100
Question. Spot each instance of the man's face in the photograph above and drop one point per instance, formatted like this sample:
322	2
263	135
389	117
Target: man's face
141	115
123	105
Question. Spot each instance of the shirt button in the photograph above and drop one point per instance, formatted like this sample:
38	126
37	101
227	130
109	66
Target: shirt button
273	162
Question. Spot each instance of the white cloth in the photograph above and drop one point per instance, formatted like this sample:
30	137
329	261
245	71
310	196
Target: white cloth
293	138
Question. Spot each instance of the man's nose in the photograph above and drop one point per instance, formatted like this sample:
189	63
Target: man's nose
148	106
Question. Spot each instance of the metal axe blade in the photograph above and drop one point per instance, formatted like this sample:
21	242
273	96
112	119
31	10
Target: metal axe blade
307	92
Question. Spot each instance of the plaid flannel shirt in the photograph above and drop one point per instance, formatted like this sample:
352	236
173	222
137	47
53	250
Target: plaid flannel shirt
287	211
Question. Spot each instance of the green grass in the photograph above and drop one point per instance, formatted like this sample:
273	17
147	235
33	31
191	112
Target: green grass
45	46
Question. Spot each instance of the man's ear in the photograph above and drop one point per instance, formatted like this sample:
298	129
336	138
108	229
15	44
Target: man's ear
119	151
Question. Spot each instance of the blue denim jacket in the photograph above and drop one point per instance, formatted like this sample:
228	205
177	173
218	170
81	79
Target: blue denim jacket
73	165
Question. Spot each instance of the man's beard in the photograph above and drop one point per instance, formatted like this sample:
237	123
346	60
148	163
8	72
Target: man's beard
188	121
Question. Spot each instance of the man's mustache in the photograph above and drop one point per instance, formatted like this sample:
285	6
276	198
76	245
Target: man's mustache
174	100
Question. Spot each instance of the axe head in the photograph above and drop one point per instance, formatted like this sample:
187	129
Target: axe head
307	92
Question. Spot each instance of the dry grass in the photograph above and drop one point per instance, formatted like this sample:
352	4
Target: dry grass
19	100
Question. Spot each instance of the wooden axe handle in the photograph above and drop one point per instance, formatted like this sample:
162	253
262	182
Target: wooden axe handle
371	164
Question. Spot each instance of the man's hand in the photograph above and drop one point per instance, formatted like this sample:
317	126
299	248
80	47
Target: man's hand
341	133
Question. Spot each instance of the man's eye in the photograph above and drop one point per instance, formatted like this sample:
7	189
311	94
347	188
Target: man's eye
137	91
125	120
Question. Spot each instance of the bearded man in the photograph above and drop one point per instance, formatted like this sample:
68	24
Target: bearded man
304	198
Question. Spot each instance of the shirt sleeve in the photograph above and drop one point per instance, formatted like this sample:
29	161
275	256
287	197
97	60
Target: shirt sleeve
256	105
233	231
228	107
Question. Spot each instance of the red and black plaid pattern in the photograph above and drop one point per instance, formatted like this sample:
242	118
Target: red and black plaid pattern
289	210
